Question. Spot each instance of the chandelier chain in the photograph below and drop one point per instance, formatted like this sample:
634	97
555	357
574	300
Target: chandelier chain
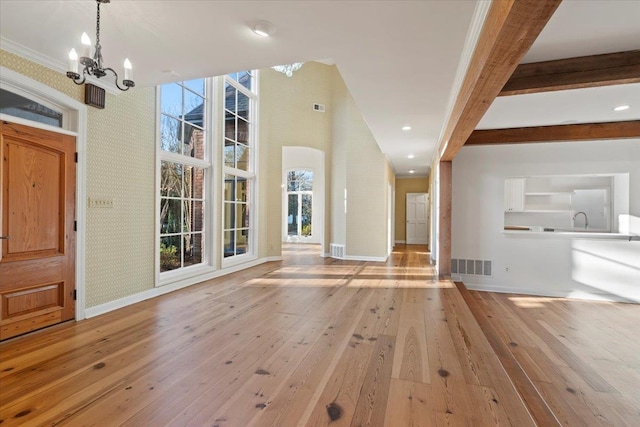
98	26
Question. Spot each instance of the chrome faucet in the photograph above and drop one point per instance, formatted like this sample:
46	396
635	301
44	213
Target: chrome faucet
586	220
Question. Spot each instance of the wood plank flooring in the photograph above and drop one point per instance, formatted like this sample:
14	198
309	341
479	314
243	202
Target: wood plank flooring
315	342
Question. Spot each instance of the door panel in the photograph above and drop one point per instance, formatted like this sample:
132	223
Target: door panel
37	257
417	218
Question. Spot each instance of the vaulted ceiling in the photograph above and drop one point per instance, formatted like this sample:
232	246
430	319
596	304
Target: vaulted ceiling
398	58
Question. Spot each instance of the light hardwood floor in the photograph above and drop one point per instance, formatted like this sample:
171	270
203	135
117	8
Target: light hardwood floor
313	341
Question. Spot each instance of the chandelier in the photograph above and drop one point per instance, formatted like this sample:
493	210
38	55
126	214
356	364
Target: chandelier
288	69
92	65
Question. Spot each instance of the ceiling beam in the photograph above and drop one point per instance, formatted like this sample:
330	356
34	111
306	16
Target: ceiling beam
509	30
575	73
577	132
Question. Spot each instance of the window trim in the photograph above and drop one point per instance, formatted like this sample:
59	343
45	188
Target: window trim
208	164
250	175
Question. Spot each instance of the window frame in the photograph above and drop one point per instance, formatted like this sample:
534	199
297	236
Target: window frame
250	174
207	164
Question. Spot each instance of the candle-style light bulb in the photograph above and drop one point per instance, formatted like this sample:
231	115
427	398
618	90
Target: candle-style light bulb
73	61
86	45
128	69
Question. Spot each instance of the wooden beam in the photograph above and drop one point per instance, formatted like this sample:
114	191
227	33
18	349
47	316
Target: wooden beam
577	132
444	220
509	30
575	73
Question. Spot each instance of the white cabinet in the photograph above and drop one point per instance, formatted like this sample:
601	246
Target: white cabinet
514	194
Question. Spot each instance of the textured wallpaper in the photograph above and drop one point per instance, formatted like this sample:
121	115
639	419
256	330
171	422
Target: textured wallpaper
120	166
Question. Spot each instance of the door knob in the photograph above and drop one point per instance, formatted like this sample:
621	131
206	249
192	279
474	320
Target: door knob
5	237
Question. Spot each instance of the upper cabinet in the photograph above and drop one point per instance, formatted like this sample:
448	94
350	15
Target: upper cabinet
514	194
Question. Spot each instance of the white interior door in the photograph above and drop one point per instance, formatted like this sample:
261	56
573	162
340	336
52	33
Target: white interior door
417	218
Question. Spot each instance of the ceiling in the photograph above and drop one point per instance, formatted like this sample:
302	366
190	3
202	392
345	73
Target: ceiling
398	58
577	28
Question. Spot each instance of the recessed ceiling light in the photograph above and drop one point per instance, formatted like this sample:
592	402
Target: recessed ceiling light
406	127
263	28
410	156
621	108
412	171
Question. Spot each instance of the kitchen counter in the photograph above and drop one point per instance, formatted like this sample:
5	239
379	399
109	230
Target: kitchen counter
575	233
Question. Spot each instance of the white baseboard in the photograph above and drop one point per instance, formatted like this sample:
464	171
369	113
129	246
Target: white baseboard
401	241
591	296
155	292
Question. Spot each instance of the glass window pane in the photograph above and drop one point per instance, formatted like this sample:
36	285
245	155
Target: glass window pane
170	134
229	243
192	249
242	215
229	153
170	250
291	181
193	108
190	211
229	216
193	182
19	106
229	188
245	78
170	216
242	241
243	106
306	211
230	97
196	85
305	180
170	179
171	99
242	190
193	142
242	131
198	216
230	127
242	157
292	215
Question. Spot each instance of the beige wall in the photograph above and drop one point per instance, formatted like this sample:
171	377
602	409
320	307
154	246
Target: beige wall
361	168
287	118
120	166
404	186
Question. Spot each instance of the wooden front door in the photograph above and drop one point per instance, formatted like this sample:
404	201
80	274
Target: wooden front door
37	212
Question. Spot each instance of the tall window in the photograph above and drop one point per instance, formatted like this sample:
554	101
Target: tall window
184	165
299	202
239	158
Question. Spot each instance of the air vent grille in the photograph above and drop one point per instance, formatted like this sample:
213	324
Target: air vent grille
471	267
336	251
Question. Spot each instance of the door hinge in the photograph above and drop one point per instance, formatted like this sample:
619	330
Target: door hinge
75	295
76	157
75	225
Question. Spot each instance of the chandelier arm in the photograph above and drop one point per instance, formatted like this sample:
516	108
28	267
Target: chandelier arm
75	77
127	83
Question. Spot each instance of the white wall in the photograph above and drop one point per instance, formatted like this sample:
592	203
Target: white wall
308	159
543	265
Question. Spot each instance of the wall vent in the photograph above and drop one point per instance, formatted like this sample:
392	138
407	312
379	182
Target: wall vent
336	251
318	107
471	267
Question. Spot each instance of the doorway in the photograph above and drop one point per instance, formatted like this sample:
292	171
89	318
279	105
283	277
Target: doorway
417	218
299	205
38	242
